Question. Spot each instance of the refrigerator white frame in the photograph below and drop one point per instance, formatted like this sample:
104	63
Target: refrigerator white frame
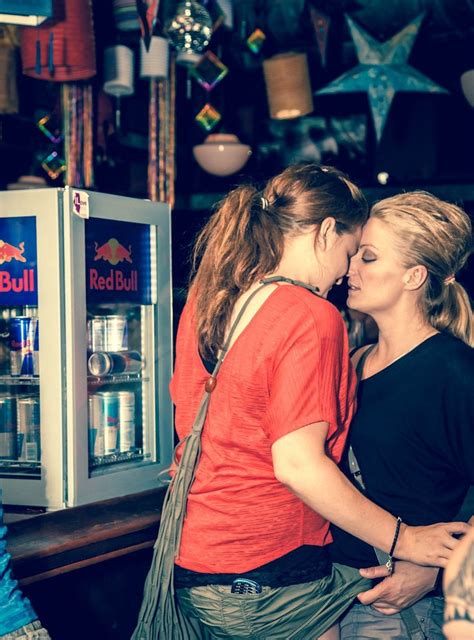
45	205
81	488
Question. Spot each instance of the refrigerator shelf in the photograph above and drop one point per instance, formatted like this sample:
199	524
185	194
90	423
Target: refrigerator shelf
115	379
114	458
20	380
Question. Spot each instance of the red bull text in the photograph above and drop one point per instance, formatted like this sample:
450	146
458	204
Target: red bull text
26	282
115	281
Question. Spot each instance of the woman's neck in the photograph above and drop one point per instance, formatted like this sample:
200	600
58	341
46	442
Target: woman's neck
398	335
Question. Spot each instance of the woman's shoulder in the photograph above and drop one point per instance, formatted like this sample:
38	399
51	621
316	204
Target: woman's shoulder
451	349
304	303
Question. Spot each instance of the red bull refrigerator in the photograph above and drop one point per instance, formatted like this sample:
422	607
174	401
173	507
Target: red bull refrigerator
85	346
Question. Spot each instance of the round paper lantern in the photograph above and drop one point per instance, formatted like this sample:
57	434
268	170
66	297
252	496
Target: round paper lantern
63	49
288	85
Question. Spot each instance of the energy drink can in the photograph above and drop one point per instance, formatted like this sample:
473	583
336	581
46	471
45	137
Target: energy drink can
106	414
28	429
24	346
102	363
113	415
96	427
117	333
127	421
8	427
97	333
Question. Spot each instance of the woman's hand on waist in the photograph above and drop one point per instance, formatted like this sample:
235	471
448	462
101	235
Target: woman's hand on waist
408	584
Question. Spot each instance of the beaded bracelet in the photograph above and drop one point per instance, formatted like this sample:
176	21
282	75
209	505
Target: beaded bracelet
389	563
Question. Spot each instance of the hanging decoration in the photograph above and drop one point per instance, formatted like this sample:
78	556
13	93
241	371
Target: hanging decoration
78	138
118	76
155	65
62	49
54	165
125	15
190	31
8	84
382	71
321	23
208	72
256	40
288	85
148	13
50	126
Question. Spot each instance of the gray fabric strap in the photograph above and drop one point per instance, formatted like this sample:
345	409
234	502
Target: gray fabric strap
413	627
159	617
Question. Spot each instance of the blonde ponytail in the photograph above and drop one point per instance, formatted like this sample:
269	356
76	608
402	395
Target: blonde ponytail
453	312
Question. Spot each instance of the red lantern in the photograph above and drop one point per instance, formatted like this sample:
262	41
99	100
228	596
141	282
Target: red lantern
62	48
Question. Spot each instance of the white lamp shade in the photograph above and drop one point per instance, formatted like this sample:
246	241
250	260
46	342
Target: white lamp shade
118	71
154	62
221	154
467	85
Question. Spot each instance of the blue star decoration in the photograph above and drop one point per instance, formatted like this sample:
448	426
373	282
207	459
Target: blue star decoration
382	71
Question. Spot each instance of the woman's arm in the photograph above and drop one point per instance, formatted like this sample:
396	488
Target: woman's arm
301	464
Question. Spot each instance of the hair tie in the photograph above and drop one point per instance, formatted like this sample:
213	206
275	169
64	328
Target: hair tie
264	202
450	279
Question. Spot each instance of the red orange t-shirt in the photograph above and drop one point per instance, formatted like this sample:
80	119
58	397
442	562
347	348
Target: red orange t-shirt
288	368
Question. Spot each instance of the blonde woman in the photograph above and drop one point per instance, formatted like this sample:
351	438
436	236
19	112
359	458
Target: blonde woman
413	433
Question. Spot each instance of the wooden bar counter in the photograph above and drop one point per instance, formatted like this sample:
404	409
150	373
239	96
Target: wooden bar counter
84	568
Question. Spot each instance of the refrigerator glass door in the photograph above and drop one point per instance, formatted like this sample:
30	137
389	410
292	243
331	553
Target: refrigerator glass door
121	347
31	357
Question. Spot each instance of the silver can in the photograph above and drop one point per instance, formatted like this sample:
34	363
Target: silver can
106	417
117	334
96	427
112	421
28	429
101	363
127	421
97	333
8	427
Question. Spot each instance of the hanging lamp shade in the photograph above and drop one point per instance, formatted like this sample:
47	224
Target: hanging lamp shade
221	154
62	49
288	85
154	62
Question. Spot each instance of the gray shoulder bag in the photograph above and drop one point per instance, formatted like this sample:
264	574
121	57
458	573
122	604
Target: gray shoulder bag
160	618
413	627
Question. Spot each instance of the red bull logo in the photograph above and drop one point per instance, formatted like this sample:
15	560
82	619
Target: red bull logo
9	252
113	252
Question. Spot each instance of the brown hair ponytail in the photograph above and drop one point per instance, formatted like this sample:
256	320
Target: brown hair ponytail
233	250
244	239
